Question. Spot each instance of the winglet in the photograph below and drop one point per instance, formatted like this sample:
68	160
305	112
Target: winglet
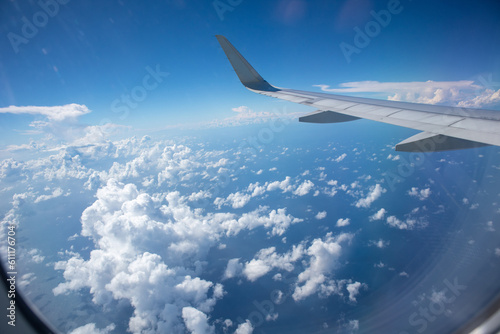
247	74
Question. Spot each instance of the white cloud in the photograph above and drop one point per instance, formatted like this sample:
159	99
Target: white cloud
244	328
277	220
438	297
324	254
393	157
256	189
56	193
375	192
353	325
55	113
91	329
36	256
341	157
283	185
233	268
487	97
379	215
304	188
196	321
497	252
238	200
26	279
489	226
353	289
379	243
395	222
151	243
244	116
343	222
408	224
321	215
267	259
462	93
421	194
130	229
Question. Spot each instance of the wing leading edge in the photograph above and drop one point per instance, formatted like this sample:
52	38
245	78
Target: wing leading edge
443	128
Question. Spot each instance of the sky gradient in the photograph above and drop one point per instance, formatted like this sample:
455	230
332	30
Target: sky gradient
100	55
151	192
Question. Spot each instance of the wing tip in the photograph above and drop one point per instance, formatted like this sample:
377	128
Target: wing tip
248	76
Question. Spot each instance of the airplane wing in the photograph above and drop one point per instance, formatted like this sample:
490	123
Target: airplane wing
443	128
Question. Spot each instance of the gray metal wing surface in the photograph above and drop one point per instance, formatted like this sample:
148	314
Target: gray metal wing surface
443	128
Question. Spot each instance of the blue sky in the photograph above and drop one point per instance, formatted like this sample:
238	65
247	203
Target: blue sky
91	53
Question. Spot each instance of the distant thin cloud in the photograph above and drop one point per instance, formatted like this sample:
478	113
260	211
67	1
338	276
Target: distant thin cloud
243	116
55	113
462	93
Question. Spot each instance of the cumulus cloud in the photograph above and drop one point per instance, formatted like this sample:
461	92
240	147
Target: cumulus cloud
55	113
267	259
393	157
304	188
56	193
341	157
36	255
320	259
233	268
353	289
284	185
379	243
487	97
408	224
353	325
130	229
379	215
463	93
490	227
244	328
92	329
323	259
343	222
152	232
375	192
196	321
320	215
395	222
421	194
237	200
240	199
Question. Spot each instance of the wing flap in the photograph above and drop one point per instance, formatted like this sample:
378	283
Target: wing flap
431	142
326	116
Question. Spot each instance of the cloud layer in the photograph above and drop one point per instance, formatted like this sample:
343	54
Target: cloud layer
464	93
